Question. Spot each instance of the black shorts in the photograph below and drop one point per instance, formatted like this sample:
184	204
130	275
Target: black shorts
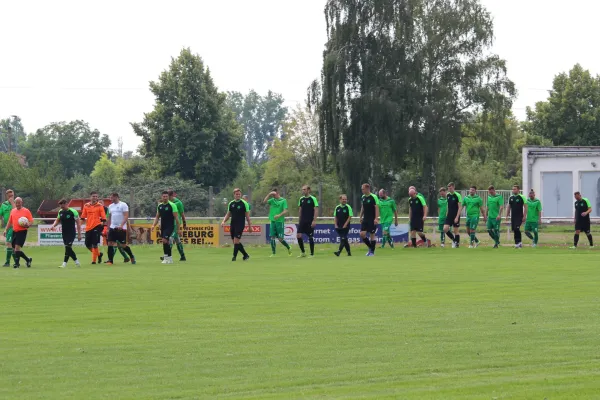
117	235
305	228
343	232
582	224
92	238
450	221
68	238
368	226
236	232
166	232
516	224
19	238
416	224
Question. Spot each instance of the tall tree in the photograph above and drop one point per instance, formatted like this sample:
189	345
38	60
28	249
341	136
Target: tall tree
399	80
72	146
191	131
571	115
12	134
262	118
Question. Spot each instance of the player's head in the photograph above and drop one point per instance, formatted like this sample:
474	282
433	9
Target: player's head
577	196
382	193
18	203
171	194
412	188
472	190
531	194
94	197
451	187
10	194
306	190
443	192
366	188
246	198
343	199
237	194
114	197
276	193
165	196
492	190
412	193
516	189
64	204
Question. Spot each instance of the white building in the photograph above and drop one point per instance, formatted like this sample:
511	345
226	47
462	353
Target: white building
556	173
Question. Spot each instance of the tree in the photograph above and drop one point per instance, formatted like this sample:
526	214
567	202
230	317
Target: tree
105	173
262	118
571	115
12	134
191	131
73	147
399	80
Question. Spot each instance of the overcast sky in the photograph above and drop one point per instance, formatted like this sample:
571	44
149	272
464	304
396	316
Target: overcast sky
65	60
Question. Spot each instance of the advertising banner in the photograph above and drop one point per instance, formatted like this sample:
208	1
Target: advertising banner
326	233
53	237
254	236
198	234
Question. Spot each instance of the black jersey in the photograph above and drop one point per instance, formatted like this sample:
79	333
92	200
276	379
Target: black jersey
238	210
454	201
369	205
342	213
165	211
582	206
68	219
307	206
516	203
417	206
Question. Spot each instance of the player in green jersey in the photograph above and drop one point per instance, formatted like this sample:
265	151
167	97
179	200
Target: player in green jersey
247	200
5	209
442	212
534	215
181	215
493	215
388	214
474	206
278	207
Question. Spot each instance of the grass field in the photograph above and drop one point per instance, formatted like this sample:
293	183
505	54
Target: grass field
407	324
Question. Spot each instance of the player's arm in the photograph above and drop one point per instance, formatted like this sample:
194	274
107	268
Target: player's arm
589	210
500	211
181	212
268	197
248	220
395	214
155	220
12	202
108	220
525	208
316	211
125	219
409	213
56	221
362	212
103	215
29	217
177	225
425	209
508	211
226	218
351	214
8	224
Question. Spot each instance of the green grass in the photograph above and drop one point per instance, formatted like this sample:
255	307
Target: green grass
409	324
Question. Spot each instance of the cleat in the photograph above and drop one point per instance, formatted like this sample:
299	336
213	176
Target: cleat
272	255
16	266
454	245
108	263
371	255
233	259
77	264
182	258
496	246
126	260
470	246
100	258
133	262
303	255
311	256
164	261
443	245
29	263
337	253
6	265
93	262
62	266
534	245
476	245
573	247
246	258
162	258
289	252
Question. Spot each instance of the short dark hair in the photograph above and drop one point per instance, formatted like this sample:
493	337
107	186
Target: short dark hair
93	193
114	194
517	186
474	187
170	192
166	192
366	185
274	190
442	189
237	190
451	184
62	201
577	193
491	187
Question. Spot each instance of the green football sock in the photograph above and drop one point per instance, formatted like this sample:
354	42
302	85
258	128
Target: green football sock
497	234
285	244
442	237
389	237
122	252
535	237
180	249
9	253
273	245
472	235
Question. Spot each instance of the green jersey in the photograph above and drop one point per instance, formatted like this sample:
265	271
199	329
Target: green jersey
387	208
473	205
276	207
5	210
534	210
442	207
179	207
494	204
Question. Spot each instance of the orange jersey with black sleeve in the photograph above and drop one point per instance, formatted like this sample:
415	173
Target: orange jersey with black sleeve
93	214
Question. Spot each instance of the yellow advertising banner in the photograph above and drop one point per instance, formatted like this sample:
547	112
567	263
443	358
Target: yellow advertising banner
198	234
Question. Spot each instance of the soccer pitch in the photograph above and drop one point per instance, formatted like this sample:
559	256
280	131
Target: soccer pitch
406	324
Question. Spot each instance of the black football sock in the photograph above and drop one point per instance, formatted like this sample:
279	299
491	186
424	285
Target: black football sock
301	244
367	242
167	249
373	245
67	254
347	246
311	243
23	256
122	252
517	236
236	249
576	239
342	245
414	242
128	251
72	253
589	236
111	253
243	251
450	235
457	239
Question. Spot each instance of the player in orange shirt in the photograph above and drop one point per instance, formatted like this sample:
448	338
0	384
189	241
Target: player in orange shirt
20	232
94	215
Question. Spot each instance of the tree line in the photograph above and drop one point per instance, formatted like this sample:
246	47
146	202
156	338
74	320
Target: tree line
409	94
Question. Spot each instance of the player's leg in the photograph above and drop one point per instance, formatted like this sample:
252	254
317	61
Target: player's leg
273	230
299	234
456	226
588	233
491	229
9	247
179	245
419	227
441	232
517	232
365	238
576	237
373	231
240	245
345	233
413	238
311	240
123	243
99	230
167	249
67	241
280	229
342	243
20	238
447	230
88	239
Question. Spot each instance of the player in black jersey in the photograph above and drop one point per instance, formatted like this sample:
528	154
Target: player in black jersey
239	212
583	208
454	200
369	218
70	227
342	217
168	214
417	213
517	210
308	211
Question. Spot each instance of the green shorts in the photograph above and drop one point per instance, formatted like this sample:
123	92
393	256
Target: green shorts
493	224
472	222
385	226
277	230
531	226
9	235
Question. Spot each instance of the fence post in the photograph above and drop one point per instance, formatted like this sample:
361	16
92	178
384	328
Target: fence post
211	202
131	203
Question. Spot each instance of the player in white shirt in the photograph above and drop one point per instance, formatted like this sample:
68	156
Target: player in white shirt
117	228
